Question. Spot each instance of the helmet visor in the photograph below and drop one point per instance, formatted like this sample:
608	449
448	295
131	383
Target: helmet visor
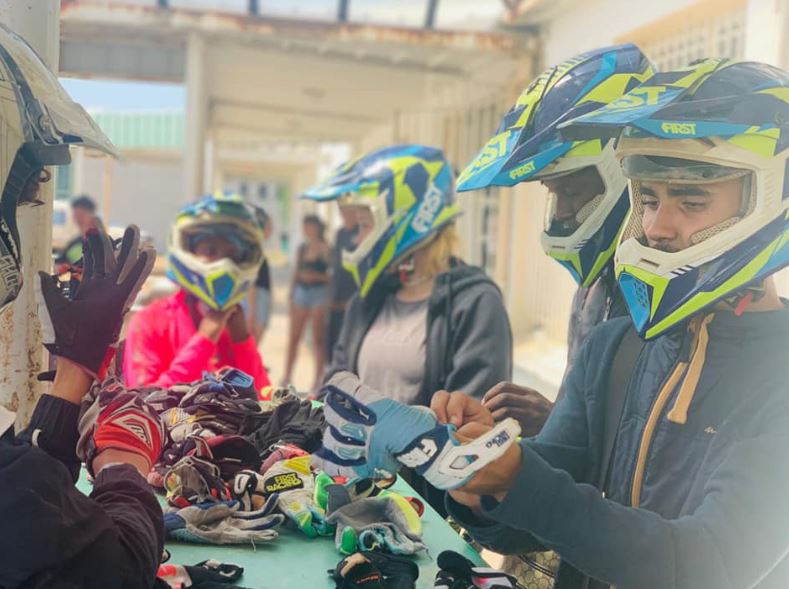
671	169
222	241
572	198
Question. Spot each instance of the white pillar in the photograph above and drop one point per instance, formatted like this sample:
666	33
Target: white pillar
22	356
196	118
767	25
78	170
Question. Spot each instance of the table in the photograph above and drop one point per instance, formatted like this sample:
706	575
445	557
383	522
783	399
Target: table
295	561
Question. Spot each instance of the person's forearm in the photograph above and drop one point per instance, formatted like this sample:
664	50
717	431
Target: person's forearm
498	477
113	456
72	382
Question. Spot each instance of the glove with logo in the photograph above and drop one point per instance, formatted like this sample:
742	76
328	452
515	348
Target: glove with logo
370	436
222	523
293	481
85	328
111	417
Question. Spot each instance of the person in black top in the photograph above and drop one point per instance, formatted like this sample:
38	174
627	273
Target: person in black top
342	286
309	295
260	293
83	212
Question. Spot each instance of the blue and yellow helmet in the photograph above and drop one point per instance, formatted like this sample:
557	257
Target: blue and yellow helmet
527	147
713	121
408	188
220	284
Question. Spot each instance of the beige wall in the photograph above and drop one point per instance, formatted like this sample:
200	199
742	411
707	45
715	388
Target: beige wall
141	190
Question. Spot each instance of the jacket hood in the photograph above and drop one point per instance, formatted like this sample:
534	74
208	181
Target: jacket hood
460	278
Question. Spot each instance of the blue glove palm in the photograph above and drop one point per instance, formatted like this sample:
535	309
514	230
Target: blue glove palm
370	436
366	430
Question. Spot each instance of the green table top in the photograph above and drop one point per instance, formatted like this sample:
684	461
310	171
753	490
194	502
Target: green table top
295	561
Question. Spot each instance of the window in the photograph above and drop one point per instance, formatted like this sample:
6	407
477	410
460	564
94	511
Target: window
63	181
718	35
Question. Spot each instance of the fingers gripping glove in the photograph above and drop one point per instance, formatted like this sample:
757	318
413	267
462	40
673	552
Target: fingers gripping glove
222	523
86	327
370	436
387	523
293	481
112	418
457	572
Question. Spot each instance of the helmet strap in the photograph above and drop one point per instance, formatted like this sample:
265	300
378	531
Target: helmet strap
406	272
741	300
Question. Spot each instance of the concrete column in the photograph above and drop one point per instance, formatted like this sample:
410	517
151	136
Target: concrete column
22	356
78	170
196	118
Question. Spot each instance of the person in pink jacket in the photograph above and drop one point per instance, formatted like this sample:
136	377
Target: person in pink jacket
215	250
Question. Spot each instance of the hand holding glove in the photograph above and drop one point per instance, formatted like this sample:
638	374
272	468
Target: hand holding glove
85	328
371	436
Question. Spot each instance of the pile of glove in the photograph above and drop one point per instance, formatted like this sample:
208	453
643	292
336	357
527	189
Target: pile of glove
204	420
361	516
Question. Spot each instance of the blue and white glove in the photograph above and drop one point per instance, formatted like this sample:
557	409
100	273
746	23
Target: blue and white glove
371	436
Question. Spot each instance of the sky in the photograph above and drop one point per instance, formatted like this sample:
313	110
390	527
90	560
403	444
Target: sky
96	95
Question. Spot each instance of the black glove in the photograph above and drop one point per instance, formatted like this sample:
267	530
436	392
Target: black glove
455	571
85	328
375	570
209	574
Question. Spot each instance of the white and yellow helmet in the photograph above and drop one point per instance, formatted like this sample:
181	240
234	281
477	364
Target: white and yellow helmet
223	283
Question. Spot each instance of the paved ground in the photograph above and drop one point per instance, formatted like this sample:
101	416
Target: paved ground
273	346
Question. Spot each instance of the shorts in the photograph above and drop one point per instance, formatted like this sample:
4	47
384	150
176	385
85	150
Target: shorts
262	306
310	296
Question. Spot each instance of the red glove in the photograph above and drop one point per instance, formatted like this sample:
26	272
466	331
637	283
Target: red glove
113	418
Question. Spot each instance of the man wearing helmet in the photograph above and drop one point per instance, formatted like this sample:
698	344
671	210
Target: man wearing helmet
216	248
693	487
52	534
587	191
